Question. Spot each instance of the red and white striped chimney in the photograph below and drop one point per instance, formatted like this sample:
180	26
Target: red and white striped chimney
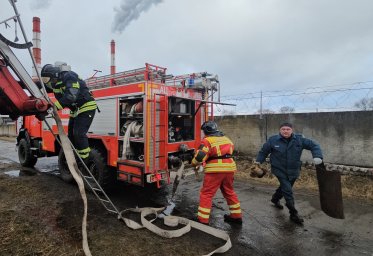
36	50
112	51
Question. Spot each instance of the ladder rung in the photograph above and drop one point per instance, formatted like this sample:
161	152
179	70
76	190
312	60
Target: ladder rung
104	200
97	189
95	186
111	210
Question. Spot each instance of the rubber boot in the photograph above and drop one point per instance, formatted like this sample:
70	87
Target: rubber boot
198	220
294	217
228	218
276	200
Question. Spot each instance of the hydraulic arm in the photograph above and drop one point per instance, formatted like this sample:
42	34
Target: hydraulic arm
18	97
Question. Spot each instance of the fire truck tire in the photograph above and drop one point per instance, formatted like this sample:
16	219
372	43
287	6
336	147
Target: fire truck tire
96	165
99	169
26	158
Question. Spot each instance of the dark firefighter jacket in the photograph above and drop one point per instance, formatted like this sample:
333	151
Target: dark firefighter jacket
216	151
285	154
72	92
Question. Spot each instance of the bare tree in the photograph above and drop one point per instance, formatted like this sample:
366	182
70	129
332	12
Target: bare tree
365	104
286	109
266	111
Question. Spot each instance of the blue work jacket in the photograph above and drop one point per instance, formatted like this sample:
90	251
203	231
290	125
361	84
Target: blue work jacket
285	154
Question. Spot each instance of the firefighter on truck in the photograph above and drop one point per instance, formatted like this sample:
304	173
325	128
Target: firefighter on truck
72	92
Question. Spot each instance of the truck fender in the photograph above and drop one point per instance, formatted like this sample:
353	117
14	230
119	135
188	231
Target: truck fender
23	133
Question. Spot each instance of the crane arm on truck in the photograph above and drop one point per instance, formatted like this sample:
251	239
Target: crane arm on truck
20	97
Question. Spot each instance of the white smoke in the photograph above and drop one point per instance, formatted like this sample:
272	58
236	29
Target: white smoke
40	4
130	10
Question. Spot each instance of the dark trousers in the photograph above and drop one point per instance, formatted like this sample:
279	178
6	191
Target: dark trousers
286	190
77	130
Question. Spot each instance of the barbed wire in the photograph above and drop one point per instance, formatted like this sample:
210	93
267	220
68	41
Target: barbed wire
337	97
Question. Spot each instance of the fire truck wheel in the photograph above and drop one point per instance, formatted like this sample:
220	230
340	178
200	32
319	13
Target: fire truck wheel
97	166
26	158
99	169
64	169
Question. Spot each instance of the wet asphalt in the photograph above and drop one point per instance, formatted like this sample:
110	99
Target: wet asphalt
266	230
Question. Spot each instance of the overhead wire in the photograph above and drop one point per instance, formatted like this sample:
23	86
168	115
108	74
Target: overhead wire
316	98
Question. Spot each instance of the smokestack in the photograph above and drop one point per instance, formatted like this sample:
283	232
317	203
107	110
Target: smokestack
36	50
112	48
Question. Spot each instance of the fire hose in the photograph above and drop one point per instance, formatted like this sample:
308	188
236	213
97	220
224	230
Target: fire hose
73	167
173	221
133	129
169	220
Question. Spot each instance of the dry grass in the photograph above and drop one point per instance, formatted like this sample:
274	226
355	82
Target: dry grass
352	186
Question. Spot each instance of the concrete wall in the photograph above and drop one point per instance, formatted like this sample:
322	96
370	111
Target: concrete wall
8	130
345	137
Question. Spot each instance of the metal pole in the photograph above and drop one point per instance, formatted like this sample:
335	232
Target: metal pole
261	105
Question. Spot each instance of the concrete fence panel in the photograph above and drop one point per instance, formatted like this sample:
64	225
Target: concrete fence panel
8	130
345	137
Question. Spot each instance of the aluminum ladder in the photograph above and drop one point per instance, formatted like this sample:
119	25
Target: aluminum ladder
98	191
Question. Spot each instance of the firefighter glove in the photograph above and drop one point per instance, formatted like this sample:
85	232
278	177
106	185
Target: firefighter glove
317	160
257	170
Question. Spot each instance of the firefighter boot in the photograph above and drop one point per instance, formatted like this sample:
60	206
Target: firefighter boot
197	220
228	218
294	217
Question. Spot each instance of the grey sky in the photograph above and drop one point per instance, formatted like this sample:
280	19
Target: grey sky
252	45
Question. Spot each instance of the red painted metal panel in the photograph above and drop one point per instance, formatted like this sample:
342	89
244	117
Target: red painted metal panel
118	90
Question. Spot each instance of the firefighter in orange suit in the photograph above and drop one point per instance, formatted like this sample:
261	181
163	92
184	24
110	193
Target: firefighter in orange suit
215	153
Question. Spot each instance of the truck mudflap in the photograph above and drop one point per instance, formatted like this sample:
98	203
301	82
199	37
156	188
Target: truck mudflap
330	191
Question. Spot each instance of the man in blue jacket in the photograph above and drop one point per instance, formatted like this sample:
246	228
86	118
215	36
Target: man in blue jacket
285	151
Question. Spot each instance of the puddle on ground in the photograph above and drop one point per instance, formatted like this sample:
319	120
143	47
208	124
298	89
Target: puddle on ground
7	161
14	173
46	170
22	172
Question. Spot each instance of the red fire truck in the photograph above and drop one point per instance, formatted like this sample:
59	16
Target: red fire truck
148	123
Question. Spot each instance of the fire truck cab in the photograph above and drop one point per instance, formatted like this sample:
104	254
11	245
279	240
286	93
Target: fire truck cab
148	123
